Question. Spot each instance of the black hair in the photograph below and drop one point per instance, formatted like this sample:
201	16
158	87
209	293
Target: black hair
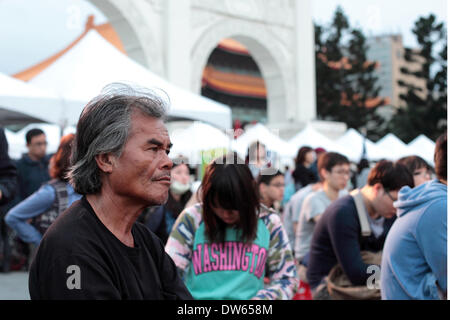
328	160
33	133
392	175
413	163
231	187
363	163
267	178
301	155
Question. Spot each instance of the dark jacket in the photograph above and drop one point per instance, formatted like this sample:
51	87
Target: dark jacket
31	175
337	239
8	173
161	219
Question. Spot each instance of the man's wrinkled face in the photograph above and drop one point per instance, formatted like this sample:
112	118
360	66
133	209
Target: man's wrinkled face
142	172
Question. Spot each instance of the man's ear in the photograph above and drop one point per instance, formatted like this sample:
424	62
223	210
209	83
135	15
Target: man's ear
262	189
105	162
378	187
323	174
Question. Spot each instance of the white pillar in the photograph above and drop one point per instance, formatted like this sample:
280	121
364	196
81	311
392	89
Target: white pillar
177	36
305	110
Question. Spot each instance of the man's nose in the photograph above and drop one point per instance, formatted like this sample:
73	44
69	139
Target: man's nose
167	163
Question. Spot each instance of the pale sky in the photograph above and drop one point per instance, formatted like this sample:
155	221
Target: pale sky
32	30
377	17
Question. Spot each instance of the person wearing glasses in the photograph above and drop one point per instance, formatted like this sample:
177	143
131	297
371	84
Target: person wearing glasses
32	168
337	237
334	172
271	189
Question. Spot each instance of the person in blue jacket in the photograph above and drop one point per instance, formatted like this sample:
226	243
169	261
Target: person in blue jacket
414	262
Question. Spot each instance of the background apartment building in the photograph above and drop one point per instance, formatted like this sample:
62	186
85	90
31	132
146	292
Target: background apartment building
388	51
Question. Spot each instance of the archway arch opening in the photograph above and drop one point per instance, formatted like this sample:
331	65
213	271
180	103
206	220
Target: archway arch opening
268	53
233	77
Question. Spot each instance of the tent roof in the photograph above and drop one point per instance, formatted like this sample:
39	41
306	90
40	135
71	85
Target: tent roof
423	147
197	137
259	132
21	102
107	32
393	148
314	139
354	139
82	72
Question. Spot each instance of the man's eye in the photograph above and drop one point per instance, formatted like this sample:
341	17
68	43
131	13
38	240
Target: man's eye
167	151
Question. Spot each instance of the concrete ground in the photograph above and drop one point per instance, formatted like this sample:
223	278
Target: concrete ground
14	286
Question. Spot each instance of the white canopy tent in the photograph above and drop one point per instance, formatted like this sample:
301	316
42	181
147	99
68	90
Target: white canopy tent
16	146
353	140
82	72
189	142
392	147
270	138
423	147
21	103
314	139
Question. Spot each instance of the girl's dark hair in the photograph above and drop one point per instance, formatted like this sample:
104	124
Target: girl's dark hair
60	161
301	155
230	186
413	163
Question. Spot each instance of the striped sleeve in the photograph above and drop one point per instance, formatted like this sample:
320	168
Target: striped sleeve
280	267
180	243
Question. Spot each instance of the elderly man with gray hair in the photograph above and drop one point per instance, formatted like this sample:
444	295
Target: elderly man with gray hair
120	164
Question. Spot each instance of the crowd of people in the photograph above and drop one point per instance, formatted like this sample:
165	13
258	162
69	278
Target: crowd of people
111	216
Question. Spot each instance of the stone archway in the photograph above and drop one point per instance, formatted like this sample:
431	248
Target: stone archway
272	58
129	21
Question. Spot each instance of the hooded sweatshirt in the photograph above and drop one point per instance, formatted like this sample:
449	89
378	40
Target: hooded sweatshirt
415	251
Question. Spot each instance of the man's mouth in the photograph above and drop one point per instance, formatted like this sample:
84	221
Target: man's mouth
163	179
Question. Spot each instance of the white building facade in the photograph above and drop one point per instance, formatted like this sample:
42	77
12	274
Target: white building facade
174	38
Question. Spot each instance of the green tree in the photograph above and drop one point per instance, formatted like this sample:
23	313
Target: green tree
329	80
345	79
425	112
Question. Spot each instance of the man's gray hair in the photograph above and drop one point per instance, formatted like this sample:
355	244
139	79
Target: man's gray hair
104	126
